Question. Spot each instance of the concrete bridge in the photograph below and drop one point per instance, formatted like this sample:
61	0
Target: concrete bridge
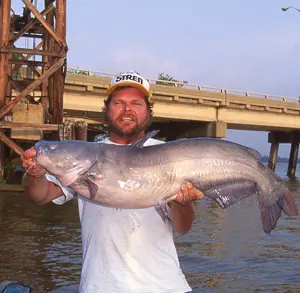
189	109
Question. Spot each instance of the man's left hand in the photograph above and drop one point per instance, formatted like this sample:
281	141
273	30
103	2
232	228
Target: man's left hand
188	193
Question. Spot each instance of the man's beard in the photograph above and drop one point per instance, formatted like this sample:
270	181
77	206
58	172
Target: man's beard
114	127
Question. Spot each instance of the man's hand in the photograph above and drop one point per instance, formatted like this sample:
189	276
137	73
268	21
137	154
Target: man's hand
182	208
28	163
37	187
188	193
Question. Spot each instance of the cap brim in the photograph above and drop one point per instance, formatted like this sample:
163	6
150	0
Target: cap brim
127	83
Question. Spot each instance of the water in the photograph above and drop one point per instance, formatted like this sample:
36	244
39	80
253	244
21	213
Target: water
226	251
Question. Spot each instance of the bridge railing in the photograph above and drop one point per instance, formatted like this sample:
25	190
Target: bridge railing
189	86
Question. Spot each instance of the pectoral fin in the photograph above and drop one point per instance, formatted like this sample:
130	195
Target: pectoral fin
93	188
228	193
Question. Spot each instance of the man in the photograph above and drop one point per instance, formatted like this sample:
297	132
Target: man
124	250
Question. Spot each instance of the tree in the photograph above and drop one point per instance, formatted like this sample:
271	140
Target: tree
78	71
166	79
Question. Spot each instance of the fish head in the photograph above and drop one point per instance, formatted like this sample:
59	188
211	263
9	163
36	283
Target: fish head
66	160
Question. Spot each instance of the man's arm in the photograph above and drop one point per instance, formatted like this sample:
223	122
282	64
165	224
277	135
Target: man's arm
183	211
38	189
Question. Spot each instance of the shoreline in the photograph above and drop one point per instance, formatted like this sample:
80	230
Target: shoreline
11	187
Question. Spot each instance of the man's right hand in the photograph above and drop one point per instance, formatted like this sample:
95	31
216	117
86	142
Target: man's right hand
36	186
29	163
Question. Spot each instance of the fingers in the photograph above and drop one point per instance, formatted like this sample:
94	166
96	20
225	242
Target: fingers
28	163
188	193
28	158
29	154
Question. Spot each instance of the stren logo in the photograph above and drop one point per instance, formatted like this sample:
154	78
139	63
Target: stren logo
129	77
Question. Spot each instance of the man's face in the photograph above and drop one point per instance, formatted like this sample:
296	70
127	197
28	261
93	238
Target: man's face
127	113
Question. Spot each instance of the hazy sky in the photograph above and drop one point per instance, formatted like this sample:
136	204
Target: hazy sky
247	45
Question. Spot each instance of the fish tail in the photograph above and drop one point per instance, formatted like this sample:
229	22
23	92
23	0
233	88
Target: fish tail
288	204
270	213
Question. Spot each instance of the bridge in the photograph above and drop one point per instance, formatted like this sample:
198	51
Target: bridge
195	110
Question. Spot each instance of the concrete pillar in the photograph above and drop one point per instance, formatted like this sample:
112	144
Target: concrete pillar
273	155
293	156
216	129
81	130
67	130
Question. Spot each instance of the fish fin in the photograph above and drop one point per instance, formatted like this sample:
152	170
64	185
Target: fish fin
269	216
270	209
87	171
140	143
255	153
84	177
93	188
288	204
228	193
162	210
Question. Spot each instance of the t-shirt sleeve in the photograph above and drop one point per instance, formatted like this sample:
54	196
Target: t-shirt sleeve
69	193
152	141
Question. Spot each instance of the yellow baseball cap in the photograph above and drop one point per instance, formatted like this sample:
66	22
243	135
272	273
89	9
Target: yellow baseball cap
130	78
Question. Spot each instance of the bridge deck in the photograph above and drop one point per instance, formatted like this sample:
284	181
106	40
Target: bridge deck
84	95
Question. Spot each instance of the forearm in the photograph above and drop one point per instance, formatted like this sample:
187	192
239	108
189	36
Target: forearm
39	190
183	216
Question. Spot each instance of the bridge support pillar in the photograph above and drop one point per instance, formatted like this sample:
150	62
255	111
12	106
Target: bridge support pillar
292	137
216	129
273	155
81	130
293	156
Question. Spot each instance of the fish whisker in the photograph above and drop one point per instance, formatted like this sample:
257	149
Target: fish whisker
27	170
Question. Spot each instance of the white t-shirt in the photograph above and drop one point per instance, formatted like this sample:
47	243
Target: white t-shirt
126	250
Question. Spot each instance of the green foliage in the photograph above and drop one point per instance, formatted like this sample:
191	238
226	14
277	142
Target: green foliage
77	71
10	166
16	56
2	181
164	78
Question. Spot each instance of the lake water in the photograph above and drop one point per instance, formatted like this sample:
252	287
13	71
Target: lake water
226	251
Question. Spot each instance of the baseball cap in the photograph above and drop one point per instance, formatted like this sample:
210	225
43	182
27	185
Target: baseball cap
130	78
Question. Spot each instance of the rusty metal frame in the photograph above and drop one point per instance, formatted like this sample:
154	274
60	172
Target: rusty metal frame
49	74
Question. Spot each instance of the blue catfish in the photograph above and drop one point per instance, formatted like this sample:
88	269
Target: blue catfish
135	177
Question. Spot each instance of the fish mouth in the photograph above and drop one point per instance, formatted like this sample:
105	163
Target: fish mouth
40	150
43	154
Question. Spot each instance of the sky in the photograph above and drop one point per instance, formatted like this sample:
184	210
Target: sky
244	45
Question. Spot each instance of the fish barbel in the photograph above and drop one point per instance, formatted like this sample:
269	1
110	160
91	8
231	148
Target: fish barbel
135	177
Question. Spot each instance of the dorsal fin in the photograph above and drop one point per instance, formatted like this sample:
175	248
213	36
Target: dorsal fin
255	153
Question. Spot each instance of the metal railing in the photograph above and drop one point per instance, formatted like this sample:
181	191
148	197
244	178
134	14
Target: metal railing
189	86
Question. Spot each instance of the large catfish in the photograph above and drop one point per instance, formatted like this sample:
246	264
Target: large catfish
135	177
